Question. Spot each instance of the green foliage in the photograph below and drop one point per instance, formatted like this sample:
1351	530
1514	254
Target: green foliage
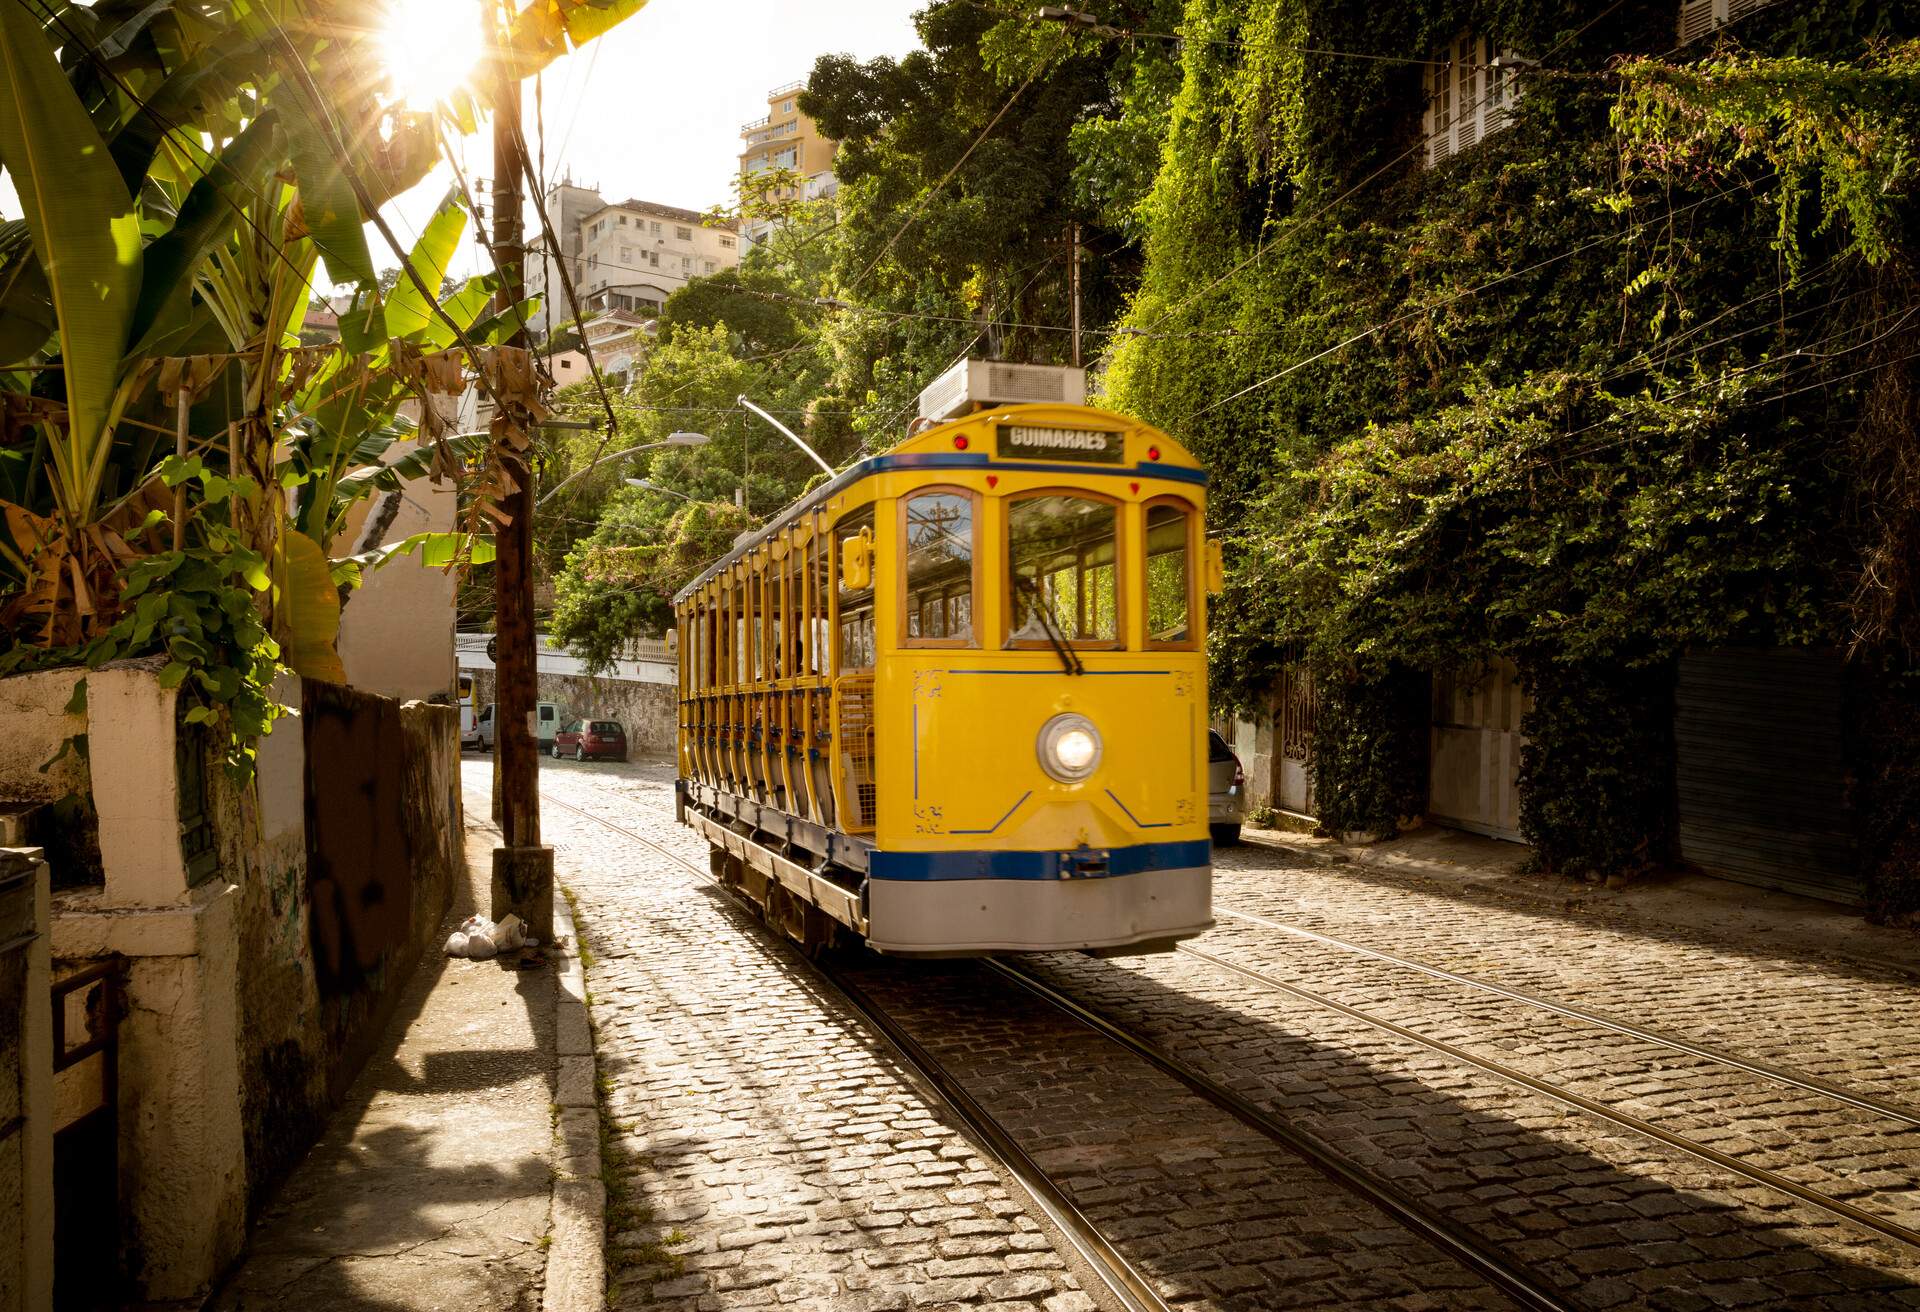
1525	403
1843	135
619	581
1597	767
1369	758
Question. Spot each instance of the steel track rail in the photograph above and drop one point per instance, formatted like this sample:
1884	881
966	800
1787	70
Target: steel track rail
1626	1120
1470	1250
1127	1284
1780	1074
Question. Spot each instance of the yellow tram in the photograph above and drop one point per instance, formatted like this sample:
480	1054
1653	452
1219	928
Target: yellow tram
954	700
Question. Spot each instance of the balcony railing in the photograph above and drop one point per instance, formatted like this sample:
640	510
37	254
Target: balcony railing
789	87
760	122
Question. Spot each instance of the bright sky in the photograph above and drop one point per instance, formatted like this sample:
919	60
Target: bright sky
653	109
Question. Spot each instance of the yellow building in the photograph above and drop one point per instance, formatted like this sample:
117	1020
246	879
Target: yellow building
785	138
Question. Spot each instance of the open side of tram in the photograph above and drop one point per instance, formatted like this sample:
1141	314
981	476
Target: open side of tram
954	700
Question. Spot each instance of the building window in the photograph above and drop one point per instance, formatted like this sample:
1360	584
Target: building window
710	266
653	258
626	254
686	264
726	243
623	220
1470	95
656	227
684	234
786	106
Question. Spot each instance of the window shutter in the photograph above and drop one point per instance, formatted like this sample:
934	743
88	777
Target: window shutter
1466	97
1439	117
1699	17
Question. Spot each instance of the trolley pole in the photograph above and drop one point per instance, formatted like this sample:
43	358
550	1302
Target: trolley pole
522	868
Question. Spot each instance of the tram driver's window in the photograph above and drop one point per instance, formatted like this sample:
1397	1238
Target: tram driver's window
1169	575
939	538
856	608
1060	557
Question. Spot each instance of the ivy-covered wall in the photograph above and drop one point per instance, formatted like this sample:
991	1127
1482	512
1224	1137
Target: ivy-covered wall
1595	391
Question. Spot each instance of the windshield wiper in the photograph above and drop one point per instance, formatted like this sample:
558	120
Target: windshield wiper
1069	661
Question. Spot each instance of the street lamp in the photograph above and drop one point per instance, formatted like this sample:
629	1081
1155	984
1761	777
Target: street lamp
673	439
792	436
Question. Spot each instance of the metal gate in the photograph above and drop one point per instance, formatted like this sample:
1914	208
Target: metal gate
1474	765
1760	771
1294	712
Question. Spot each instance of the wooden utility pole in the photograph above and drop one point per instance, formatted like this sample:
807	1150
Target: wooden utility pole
522	867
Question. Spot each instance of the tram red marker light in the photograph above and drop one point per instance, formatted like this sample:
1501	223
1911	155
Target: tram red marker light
1153	453
993	480
1135	487
960	442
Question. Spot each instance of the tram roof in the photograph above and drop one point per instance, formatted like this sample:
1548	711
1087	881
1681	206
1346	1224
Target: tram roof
1176	462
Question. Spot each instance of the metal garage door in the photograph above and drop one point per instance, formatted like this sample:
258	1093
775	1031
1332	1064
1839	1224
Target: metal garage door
1761	774
1473	777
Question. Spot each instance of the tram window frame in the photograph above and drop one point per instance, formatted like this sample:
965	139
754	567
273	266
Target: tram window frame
1193	549
866	600
1121	536
903	590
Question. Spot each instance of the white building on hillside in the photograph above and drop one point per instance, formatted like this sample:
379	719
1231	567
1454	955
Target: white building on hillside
628	256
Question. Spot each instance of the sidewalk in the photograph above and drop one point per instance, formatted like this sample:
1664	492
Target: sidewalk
435	1186
1696	902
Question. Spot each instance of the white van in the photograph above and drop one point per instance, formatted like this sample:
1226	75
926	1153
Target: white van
547	719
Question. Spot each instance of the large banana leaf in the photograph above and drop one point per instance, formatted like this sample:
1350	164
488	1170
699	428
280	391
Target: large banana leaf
207	216
548	29
306	614
87	236
408	310
327	198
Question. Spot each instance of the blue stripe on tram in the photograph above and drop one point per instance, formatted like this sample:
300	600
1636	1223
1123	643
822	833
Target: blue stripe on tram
1133	860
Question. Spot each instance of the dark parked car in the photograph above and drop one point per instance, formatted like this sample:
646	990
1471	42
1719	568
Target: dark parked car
1226	791
591	740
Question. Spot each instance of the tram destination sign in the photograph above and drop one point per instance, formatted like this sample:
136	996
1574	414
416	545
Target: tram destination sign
1081	445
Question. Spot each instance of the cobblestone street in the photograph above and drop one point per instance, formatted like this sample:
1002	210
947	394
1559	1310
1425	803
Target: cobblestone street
1644	1145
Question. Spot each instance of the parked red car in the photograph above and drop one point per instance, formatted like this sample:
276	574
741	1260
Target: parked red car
591	740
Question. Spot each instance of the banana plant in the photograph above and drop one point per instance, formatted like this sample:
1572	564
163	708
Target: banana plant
140	242
185	170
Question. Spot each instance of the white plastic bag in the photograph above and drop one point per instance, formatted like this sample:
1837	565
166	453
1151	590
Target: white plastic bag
456	944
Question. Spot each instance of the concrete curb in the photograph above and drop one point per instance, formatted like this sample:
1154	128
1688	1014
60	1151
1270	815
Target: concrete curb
1897	952
577	1226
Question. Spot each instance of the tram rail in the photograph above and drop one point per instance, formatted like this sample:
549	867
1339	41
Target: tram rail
1125	1281
1792	1079
1510	1276
1761	1175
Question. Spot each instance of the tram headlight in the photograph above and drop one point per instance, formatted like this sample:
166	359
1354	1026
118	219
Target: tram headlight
1069	748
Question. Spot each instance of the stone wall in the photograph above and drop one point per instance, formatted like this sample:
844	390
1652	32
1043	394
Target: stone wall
649	712
242	1032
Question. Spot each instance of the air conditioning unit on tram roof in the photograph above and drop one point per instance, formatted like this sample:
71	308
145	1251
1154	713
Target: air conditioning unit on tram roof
982	384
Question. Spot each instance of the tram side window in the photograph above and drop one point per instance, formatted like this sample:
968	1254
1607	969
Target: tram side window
856	608
1169	574
939	538
1060	559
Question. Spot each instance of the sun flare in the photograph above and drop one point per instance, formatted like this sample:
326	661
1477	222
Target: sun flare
430	48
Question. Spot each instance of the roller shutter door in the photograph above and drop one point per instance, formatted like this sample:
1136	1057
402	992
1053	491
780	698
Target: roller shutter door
1761	774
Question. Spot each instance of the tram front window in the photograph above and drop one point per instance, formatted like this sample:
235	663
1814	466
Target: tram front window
939	535
1060	557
